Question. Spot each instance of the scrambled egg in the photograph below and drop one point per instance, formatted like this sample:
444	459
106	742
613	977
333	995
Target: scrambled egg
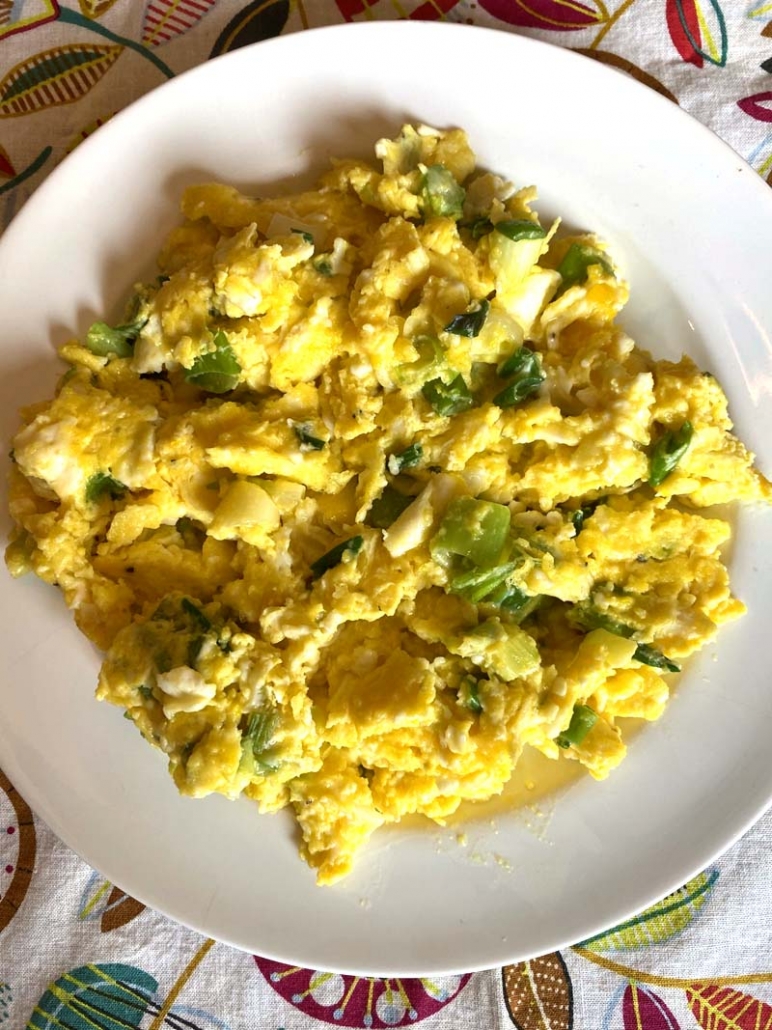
370	492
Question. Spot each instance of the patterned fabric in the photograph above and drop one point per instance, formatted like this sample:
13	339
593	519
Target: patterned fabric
75	952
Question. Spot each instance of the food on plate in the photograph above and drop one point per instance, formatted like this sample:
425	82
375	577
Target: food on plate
369	492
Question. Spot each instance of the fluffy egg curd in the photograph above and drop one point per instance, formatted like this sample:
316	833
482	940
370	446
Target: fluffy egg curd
370	492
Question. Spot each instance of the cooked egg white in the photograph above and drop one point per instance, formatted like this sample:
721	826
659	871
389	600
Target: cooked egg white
370	492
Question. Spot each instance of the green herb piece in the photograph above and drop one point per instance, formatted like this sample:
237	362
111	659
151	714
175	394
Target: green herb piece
103	339
195	613
258	737
517	229
513	601
648	655
323	266
579	517
216	371
589	618
407	459
573	268
448	398
472	529
102	484
335	555
306	438
306	235
441	195
478	227
582	721
386	509
476	585
145	691
526	374
469	694
668	451
470	323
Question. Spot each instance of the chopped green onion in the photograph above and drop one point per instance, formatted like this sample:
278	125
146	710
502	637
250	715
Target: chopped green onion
431	359
648	655
668	451
579	517
476	585
257	739
441	195
503	649
101	484
469	694
517	229
472	529
145	691
448	398
323	265
513	600
335	555
582	721
103	339
573	268
478	226
306	438
470	323
407	459
386	509
306	235
590	618
195	613
216	371
522	361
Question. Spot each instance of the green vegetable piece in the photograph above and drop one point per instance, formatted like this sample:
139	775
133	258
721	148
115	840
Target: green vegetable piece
472	529
102	339
448	398
470	323
523	361
514	602
145	691
306	235
103	484
517	229
573	268
478	227
476	585
431	359
216	371
589	618
668	451
526	374
306	438
407	459
582	721
323	266
195	613
505	650
441	195
648	655
580	516
335	555
386	509
257	739
469	694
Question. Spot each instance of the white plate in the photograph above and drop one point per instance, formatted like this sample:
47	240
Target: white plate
691	226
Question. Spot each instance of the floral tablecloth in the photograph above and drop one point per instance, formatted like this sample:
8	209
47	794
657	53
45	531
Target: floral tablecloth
77	953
